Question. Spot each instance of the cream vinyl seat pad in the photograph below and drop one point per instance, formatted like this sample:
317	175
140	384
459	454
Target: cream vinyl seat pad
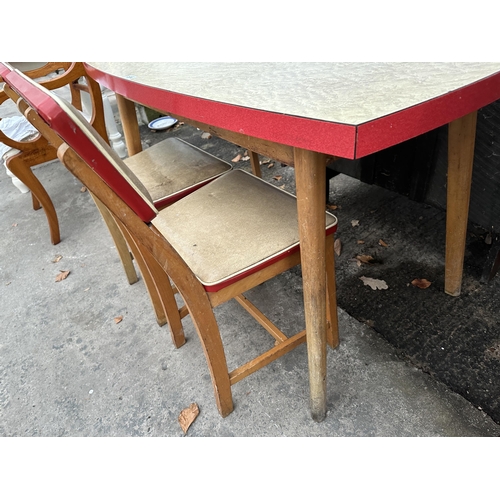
235	223
173	166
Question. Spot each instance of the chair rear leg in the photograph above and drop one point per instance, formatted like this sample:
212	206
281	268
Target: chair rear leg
161	281
119	241
149	281
35	202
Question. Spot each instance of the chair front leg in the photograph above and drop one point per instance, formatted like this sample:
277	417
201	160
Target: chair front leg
22	170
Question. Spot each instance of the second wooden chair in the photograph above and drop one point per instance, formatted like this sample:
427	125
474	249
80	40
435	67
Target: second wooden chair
169	170
215	244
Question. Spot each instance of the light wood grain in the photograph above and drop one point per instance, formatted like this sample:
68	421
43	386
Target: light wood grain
310	185
461	140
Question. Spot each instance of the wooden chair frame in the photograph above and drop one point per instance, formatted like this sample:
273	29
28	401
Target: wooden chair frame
164	263
37	151
42	149
199	303
160	296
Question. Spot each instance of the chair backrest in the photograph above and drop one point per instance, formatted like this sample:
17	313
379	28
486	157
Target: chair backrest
73	128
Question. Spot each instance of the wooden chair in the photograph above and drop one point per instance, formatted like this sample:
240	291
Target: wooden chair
27	154
169	170
215	244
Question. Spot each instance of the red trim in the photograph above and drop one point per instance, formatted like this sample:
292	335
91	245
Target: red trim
63	125
346	141
4	71
398	127
262	265
325	137
169	200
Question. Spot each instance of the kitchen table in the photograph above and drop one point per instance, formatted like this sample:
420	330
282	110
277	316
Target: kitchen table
302	113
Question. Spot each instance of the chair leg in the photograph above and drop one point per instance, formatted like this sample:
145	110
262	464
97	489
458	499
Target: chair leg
23	172
149	280
161	281
209	334
332	330
119	241
159	288
204	321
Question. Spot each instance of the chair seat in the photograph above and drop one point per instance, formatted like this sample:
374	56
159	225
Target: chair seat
173	168
232	227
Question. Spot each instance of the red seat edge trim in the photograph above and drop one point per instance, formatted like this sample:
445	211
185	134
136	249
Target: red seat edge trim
262	265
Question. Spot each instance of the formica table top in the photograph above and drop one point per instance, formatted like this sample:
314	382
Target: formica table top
352	96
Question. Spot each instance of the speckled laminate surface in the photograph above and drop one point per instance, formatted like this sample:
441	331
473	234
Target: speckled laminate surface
348	93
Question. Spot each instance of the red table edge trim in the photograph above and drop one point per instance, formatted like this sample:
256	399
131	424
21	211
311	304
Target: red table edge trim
337	139
305	133
398	127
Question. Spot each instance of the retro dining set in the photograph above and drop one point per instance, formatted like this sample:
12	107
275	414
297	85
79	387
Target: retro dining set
203	233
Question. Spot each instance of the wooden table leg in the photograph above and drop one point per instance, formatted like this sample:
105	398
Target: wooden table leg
310	186
461	139
130	125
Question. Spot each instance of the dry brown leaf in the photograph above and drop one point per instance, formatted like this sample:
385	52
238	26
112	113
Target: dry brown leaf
236	159
337	246
57	258
374	284
355	223
206	135
382	243
188	416
118	319
62	275
365	259
263	162
271	165
360	242
83	189
277	177
332	207
421	283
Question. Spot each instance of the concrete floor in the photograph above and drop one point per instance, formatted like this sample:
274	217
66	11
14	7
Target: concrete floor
67	369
